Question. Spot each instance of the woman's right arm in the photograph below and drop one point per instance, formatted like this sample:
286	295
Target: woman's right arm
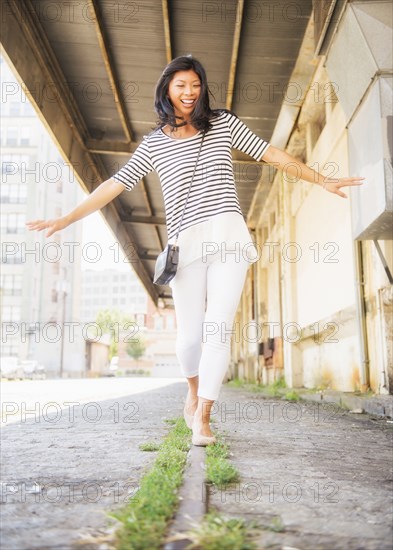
101	196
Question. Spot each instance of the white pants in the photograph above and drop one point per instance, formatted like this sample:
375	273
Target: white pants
206	295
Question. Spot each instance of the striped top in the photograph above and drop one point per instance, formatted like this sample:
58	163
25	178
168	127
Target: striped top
213	190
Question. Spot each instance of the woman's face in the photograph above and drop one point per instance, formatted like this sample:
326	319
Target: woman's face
183	91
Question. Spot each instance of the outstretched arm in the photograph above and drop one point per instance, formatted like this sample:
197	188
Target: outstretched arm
101	196
288	164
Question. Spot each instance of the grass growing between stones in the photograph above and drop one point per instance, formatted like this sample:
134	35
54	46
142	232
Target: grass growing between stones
292	396
145	517
219	533
149	446
219	470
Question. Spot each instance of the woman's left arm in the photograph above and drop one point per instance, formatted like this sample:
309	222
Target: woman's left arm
281	160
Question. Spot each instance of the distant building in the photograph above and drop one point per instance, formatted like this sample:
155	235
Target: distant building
117	290
40	281
46	299
112	289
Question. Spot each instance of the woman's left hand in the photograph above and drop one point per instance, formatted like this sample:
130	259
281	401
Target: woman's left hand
334	184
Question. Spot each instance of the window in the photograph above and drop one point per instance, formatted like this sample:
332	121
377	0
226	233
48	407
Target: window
16	164
12	135
11	284
6	164
13	223
28	109
170	322
15	109
11	257
9	350
14	193
25	135
11	314
18	193
158	322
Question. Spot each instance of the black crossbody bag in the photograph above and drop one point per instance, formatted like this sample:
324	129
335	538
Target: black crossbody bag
168	260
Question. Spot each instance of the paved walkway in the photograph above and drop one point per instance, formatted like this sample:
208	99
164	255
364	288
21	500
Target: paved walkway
322	474
315	476
61	471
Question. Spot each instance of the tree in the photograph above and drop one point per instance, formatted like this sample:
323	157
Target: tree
112	321
136	348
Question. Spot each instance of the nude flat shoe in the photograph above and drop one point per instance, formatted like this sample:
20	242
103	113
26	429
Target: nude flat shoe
201	440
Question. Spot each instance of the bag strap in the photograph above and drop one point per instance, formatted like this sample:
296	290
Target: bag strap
189	189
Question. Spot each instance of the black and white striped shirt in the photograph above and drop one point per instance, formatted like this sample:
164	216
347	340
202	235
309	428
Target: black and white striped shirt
213	190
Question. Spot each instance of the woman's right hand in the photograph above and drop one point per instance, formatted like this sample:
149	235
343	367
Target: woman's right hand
54	225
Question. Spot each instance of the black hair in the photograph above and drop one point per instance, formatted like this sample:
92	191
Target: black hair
202	113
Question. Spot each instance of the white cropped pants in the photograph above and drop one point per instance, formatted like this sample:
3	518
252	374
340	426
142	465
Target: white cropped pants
206	294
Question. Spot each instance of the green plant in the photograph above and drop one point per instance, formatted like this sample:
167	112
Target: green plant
136	348
145	518
219	533
149	446
292	396
219	470
109	320
236	383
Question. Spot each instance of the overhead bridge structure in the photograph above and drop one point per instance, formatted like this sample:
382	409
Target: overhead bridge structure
90	69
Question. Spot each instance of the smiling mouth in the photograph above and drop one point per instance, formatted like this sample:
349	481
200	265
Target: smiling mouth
188	102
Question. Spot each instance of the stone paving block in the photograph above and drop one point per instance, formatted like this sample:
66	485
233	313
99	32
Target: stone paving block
320	473
60	477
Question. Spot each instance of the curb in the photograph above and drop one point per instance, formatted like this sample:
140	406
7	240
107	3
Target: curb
193	501
381	405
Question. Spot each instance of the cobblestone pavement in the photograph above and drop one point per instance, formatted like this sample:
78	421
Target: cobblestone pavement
317	473
315	476
64	466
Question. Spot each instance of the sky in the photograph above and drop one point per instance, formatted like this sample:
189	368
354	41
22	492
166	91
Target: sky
94	229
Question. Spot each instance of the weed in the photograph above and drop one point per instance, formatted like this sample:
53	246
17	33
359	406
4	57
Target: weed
220	533
145	517
149	446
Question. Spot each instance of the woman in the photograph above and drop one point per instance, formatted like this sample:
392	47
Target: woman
215	245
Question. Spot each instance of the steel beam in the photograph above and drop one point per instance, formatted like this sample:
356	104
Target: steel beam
235	53
108	147
167	31
110	68
155	220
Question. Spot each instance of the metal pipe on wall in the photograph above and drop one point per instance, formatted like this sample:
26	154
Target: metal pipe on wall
361	316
